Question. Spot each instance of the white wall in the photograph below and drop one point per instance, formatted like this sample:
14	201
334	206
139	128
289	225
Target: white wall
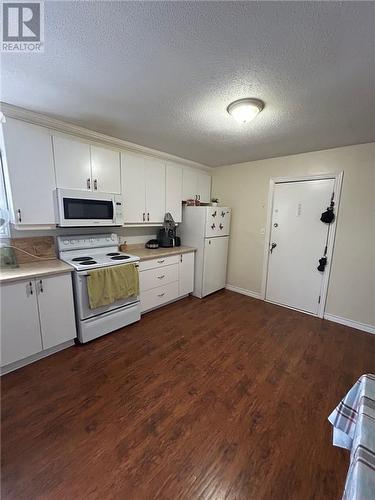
244	187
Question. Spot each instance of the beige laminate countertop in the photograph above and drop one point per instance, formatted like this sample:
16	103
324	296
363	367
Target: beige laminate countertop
34	269
148	254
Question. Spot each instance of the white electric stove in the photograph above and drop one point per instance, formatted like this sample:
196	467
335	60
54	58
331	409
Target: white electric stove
87	252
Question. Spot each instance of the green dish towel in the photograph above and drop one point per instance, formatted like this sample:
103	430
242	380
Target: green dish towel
105	286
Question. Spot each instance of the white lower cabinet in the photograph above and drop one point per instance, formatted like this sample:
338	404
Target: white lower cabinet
36	315
56	310
20	329
165	279
186	273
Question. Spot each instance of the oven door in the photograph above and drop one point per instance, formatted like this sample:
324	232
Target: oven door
84	208
82	300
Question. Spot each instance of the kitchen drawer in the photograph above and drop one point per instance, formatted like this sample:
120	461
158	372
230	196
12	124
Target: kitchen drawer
152	278
161	261
158	296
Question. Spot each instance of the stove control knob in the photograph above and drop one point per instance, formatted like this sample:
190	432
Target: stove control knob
72	242
66	242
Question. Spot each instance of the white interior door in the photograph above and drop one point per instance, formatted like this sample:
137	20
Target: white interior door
105	166
299	239
215	264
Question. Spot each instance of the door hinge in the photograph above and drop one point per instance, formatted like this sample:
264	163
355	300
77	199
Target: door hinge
319	299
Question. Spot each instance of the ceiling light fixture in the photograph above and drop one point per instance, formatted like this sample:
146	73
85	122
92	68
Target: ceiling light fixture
245	110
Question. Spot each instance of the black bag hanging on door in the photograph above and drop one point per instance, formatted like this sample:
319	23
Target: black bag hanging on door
328	216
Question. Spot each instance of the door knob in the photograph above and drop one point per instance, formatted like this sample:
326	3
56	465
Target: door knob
273	245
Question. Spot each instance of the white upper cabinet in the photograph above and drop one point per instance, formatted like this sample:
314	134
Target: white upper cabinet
155	189
29	173
72	163
105	169
133	188
196	185
80	165
204	187
173	190
143	188
189	184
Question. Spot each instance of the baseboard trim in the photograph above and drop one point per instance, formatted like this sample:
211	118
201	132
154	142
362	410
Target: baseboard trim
348	322
243	291
330	317
35	357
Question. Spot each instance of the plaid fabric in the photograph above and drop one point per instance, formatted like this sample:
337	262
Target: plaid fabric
353	423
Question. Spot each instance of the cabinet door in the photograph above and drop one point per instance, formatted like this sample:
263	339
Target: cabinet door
29	162
204	187
155	189
56	309
133	187
173	191
20	329
215	264
186	273
105	168
72	163
189	184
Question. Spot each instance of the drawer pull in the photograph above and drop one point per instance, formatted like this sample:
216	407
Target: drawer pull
161	277
161	261
161	294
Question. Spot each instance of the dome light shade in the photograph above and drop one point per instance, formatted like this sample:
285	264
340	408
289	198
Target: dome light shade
245	110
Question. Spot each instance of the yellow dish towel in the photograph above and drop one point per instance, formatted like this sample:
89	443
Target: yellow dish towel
105	286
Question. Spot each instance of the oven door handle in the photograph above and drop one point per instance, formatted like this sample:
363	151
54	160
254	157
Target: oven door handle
82	273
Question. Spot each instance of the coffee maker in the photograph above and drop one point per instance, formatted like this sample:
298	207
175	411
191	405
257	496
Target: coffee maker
167	234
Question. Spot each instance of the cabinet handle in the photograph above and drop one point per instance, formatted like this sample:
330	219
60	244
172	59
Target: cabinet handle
88	183
96	184
31	288
19	217
41	286
144	216
161	294
181	258
161	261
148	216
161	277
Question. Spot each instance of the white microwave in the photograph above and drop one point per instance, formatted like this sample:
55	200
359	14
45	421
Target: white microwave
85	208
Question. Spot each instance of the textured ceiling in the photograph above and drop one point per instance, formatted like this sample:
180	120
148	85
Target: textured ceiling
161	74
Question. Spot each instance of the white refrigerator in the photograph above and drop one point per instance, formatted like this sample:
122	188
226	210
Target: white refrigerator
207	229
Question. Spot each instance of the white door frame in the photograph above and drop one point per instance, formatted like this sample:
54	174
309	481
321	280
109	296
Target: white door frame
338	177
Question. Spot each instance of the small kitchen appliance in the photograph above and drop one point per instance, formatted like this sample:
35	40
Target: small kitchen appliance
167	234
152	244
95	251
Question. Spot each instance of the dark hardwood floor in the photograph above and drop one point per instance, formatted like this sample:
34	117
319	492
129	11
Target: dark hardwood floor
221	398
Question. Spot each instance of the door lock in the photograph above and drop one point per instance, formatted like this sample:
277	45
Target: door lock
273	245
